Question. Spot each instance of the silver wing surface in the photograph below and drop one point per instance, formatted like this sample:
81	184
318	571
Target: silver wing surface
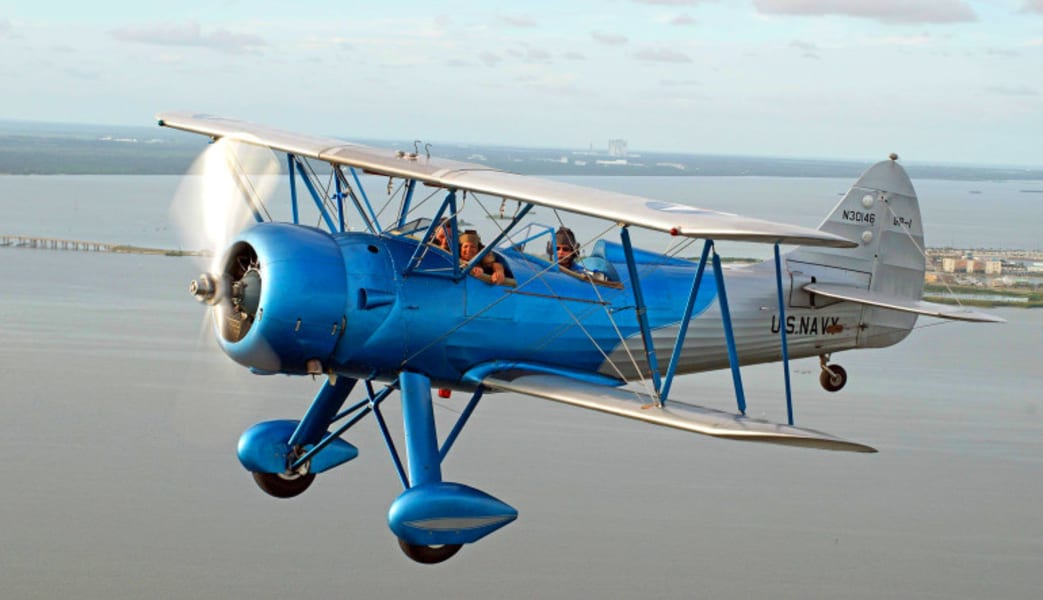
640	406
625	209
931	309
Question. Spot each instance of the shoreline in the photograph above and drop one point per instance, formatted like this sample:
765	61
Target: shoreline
1026	298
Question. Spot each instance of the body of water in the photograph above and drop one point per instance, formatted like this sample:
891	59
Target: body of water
135	210
120	418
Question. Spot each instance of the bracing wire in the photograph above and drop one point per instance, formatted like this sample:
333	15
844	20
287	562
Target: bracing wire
923	254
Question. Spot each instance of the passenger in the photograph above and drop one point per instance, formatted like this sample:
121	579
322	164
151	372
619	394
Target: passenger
443	233
470	246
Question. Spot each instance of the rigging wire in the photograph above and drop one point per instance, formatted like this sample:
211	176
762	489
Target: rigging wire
923	254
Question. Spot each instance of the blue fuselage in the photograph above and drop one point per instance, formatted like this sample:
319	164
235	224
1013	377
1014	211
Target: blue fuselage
371	306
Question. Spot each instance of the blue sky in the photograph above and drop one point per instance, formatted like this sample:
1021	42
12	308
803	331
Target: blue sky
956	81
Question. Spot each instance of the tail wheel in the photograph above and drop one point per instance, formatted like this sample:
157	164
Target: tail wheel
429	555
281	485
832	377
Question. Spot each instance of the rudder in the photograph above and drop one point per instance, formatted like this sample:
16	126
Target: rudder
882	214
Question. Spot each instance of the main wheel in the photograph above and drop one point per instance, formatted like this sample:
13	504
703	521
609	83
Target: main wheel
833	378
283	486
429	555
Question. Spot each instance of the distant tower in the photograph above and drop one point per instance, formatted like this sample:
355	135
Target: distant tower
617	148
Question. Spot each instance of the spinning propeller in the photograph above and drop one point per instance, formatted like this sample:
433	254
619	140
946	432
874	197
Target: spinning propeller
226	186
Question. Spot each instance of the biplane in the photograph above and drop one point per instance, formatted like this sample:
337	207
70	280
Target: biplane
367	297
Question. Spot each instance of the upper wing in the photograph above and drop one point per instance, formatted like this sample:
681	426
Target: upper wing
636	405
931	309
676	219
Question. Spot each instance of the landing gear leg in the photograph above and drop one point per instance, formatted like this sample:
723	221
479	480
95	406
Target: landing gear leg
832	377
433	518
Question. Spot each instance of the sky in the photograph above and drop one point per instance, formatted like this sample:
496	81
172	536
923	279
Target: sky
949	81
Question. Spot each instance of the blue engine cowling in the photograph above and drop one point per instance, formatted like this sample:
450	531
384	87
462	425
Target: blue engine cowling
282	299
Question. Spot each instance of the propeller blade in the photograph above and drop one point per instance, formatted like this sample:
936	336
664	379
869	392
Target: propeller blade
224	189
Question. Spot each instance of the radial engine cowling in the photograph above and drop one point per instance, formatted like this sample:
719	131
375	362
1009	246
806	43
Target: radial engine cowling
279	298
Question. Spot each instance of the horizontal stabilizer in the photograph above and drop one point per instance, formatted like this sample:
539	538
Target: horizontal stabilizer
638	405
931	309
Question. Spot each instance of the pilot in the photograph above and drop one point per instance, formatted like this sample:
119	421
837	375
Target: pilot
470	246
568	252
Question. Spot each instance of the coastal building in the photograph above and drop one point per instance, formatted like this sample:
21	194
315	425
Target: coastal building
972	265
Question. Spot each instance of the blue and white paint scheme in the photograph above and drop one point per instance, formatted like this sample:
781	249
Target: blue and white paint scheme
378	303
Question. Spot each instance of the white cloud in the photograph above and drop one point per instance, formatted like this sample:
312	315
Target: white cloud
1035	6
672	2
661	55
189	34
807	49
1019	90
519	21
885	11
901	40
6	29
317	42
680	83
682	20
538	55
529	54
561	84
609	39
489	59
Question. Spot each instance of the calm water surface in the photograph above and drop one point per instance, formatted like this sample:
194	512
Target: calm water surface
120	417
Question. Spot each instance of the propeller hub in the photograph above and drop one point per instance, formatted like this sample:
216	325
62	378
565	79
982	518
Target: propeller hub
204	289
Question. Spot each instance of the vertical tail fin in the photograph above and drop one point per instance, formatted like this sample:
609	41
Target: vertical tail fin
881	212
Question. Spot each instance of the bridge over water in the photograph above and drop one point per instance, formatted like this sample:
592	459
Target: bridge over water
49	243
27	241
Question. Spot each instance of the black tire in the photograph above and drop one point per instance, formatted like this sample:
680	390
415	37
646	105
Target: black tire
275	484
429	555
834	382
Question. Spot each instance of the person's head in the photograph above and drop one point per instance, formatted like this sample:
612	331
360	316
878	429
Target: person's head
565	241
470	244
442	234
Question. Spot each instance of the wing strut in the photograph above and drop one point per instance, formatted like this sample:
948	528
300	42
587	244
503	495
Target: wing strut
454	248
403	211
662	387
375	227
319	204
290	160
340	204
782	335
676	356
477	260
729	335
642	316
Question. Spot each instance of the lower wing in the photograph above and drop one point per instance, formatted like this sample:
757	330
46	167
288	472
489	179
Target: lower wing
640	406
